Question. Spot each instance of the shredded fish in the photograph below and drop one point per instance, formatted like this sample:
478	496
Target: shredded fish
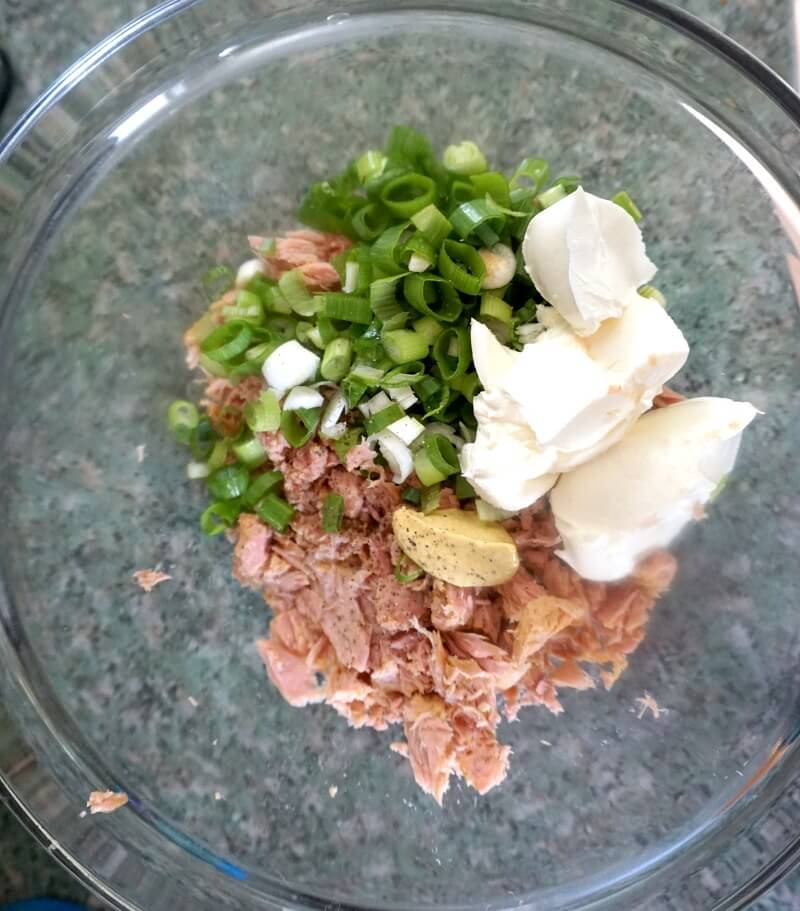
646	704
147	579
106	801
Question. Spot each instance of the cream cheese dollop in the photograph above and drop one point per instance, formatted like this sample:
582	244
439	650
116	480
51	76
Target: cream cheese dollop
563	399
587	257
638	495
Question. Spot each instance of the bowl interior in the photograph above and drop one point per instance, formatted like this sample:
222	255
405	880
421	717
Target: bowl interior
167	687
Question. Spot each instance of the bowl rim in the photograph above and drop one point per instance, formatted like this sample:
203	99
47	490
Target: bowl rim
775	87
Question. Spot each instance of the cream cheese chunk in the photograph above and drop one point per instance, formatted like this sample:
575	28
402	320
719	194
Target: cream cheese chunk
638	495
587	258
563	399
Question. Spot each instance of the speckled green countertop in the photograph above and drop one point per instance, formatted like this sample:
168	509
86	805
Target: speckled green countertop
42	38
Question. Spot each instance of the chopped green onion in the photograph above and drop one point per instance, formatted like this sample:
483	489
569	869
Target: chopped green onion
432	296
353	390
217	281
303	330
345	443
263	415
462	266
530	175
336	360
467	384
275	302
220	516
348	307
478	218
332	512
228	341
625	202
488	513
442	454
429	498
201	439
387	250
654	293
382	296
248	307
494	307
411	495
300	426
275	511
463	489
428	328
434	395
407	194
283	327
452	352
250	452
716	493
294	290
383	418
404	346
183	417
260	486
397	321
464	159
370	221
370	165
432	224
403	576
418	245
329	206
370	376
197	470
219	455
551	196
493	184
405	375
569	184
461	191
229	482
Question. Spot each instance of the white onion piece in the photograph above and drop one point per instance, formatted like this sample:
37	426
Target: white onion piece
303	397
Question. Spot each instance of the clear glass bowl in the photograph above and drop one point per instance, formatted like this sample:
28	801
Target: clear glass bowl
149	161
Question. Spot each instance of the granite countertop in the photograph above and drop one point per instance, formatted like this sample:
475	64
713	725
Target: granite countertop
41	39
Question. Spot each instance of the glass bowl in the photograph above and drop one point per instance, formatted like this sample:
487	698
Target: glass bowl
151	160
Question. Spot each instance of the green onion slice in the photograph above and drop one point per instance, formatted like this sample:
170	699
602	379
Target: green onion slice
220	516
479	218
229	482
383	418
492	184
260	486
530	175
452	352
294	290
336	360
183	417
411	574
405	375
300	426
264	414
250	452
625	202
432	223
228	341
432	296
387	251
406	195
411	495
462	266
347	307
404	346
371	221
332	512
464	158
275	511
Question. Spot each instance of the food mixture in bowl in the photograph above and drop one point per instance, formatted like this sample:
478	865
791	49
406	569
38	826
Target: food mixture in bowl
436	426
